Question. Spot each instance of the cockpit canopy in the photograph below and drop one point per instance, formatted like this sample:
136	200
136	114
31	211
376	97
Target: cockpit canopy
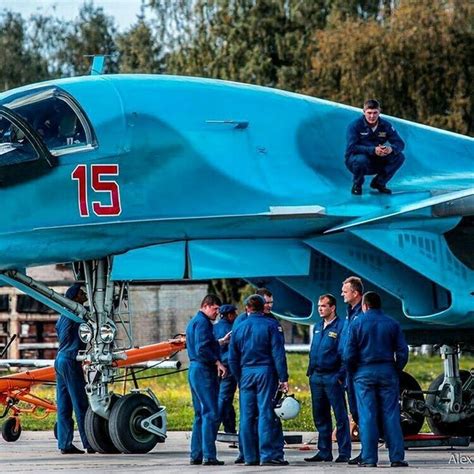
47	115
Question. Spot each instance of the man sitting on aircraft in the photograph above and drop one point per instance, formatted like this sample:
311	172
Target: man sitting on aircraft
373	147
70	383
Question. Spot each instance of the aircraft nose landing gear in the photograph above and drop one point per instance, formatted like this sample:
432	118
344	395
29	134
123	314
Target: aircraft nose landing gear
137	423
132	423
98	433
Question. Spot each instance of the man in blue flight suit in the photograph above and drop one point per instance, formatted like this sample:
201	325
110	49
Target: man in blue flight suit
70	383
227	385
352	291
373	147
204	370
279	439
267	309
376	353
278	435
257	358
326	378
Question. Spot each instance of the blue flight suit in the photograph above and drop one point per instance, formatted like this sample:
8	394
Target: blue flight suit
326	378
376	352
257	358
227	385
203	353
279	437
239	319
70	384
352	315
360	157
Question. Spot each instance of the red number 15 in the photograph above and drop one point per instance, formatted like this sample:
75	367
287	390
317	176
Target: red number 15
98	185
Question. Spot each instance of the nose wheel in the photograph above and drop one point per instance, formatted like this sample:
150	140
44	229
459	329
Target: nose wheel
137	423
97	432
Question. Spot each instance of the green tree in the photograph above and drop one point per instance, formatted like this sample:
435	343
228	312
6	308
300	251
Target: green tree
92	33
419	63
139	49
255	41
20	63
231	291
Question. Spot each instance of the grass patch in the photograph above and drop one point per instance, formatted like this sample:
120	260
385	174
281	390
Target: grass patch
173	392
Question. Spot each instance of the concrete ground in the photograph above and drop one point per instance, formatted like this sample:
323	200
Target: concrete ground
36	452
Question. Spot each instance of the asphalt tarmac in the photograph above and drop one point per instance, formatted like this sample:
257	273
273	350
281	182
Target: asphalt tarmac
36	452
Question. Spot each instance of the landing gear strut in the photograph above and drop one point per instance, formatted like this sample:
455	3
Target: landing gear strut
133	423
449	404
450	398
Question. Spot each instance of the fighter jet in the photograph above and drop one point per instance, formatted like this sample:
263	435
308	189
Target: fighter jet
144	177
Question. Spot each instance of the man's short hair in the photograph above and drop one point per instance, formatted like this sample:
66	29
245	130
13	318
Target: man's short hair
211	300
330	298
73	291
372	104
255	303
356	284
264	292
372	300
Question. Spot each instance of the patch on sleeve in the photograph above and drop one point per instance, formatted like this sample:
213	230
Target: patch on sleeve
280	328
332	334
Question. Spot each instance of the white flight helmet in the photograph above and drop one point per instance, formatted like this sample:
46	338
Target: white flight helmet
287	407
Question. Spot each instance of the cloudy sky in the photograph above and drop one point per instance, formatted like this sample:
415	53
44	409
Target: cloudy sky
124	11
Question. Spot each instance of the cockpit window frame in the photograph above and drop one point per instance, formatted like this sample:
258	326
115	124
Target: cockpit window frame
37	95
37	143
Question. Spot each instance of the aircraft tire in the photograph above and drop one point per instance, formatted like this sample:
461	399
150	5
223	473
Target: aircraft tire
411	423
458	428
97	432
124	423
10	432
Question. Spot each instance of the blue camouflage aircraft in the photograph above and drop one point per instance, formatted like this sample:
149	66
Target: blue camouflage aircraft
142	177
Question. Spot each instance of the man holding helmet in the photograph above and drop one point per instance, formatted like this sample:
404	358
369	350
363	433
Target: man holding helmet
326	378
258	361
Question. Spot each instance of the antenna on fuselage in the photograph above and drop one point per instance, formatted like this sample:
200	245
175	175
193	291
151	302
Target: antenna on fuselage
98	63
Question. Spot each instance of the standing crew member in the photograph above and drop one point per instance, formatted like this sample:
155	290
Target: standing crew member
279	439
257	358
352	291
227	385
376	353
204	369
70	383
373	147
326	378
